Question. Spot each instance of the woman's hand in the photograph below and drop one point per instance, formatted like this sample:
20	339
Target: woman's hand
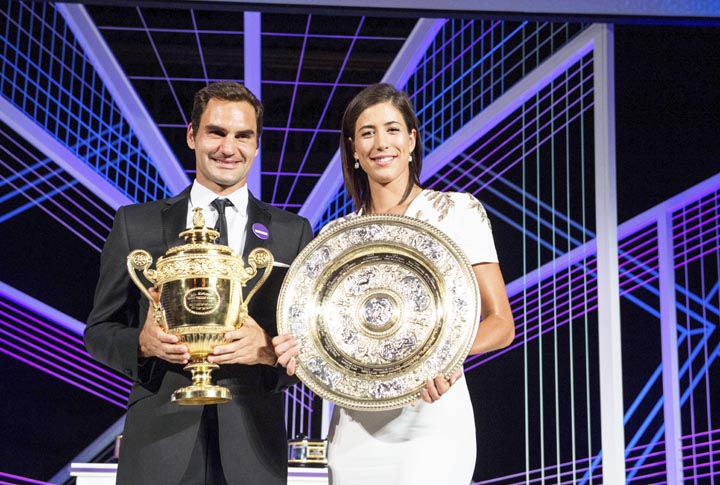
435	388
286	348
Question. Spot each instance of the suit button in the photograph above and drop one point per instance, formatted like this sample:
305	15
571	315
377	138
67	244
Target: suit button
128	371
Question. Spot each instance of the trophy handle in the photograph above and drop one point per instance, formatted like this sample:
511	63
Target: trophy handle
141	260
259	258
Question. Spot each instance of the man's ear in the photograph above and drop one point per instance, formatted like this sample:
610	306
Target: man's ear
190	136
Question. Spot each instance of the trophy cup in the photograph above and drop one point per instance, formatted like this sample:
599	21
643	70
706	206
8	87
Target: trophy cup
201	298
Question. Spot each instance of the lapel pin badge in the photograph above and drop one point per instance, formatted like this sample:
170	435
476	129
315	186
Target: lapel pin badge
260	230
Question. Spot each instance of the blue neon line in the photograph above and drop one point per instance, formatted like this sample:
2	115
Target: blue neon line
445	89
711	295
171	88
324	112
536	147
77	351
437	96
196	32
45	369
75	354
487	89
23	350
699	346
36	201
696	380
292	104
502	195
70	114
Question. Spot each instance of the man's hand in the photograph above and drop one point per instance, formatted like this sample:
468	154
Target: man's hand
155	342
247	345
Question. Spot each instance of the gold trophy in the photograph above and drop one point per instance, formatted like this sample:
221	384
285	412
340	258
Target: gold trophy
201	298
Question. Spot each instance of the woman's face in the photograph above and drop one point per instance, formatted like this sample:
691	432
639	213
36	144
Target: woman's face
382	144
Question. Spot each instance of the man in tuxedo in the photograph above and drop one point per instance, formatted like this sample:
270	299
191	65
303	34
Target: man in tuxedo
244	440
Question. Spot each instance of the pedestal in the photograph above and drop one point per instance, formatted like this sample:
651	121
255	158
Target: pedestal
104	474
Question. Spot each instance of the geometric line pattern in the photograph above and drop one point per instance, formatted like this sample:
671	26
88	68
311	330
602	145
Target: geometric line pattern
29	180
45	75
40	343
469	65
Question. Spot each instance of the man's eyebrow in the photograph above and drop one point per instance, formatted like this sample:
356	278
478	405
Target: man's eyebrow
214	128
248	132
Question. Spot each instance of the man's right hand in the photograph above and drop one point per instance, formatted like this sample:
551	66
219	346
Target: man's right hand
155	342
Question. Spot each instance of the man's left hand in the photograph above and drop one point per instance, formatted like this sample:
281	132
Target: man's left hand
247	345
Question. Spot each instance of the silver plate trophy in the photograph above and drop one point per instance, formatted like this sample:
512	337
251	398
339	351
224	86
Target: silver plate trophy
379	304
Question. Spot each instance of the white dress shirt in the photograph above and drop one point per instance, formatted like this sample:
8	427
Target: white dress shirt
236	215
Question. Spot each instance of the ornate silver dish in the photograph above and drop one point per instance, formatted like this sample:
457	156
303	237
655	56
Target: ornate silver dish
380	304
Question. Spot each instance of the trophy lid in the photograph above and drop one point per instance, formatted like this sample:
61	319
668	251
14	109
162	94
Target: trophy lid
200	238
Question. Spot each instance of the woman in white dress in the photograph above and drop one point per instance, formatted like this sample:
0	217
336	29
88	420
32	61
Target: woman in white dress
433	441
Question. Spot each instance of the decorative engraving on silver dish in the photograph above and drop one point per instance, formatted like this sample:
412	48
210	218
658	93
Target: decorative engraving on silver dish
380	304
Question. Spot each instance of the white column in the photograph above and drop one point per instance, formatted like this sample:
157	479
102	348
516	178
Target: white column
124	95
611	384
668	329
253	75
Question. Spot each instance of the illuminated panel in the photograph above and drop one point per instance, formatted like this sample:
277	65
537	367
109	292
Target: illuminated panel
470	64
696	246
301	407
701	9
341	205
17	480
49	341
29	180
45	75
354	52
533	171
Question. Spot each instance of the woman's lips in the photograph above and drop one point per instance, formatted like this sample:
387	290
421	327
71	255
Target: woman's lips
384	160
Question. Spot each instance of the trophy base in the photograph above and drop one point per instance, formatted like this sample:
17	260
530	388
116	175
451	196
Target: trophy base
199	395
304	452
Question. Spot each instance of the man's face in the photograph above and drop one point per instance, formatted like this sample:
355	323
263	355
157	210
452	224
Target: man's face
225	145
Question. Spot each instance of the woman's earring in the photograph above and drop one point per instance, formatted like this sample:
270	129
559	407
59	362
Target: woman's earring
357	164
410	159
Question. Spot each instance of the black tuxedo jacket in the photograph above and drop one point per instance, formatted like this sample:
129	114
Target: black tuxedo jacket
159	435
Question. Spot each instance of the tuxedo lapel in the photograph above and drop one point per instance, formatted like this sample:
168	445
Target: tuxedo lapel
174	218
257	235
257	231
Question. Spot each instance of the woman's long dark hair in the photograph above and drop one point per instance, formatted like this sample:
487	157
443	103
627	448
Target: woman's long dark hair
356	180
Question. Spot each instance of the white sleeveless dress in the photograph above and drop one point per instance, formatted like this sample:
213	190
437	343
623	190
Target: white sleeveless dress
425	443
